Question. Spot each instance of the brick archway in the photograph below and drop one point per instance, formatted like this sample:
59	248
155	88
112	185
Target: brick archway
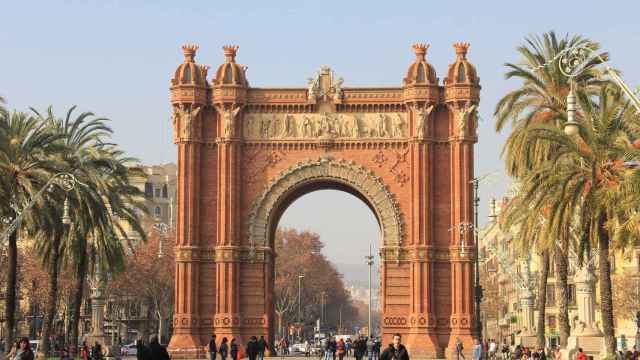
245	153
364	183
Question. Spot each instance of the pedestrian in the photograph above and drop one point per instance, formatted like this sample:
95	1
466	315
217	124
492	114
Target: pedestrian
459	349
341	349
262	346
370	345
581	355
307	348
224	348
517	353
476	352
14	349
233	349
96	351
493	347
395	351
252	348
213	349
541	353
557	355
376	348
636	353
84	351
157	351
23	350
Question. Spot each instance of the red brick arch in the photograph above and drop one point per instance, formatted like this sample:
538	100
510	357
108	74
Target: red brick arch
244	154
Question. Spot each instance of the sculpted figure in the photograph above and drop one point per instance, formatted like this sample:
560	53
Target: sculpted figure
187	115
422	117
381	127
464	115
317	126
355	127
398	126
312	90
307	127
289	126
337	95
265	127
230	121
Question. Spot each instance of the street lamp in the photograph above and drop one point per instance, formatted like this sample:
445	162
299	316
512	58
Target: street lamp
369	259
300	277
571	63
163	230
65	180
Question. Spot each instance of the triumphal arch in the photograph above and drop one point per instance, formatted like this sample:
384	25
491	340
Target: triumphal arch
245	153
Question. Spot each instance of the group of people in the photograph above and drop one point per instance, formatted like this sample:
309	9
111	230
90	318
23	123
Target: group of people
254	350
360	347
21	350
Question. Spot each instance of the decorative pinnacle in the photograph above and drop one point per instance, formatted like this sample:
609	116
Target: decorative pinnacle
420	50
230	52
461	49
189	51
204	69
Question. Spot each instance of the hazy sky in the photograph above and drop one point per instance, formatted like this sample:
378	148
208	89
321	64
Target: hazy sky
115	58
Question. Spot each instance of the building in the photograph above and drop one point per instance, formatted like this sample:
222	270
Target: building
504	271
159	189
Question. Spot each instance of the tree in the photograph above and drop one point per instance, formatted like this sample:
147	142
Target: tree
148	277
589	184
300	252
626	302
541	99
25	166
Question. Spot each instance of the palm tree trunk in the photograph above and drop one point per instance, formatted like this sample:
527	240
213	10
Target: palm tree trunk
542	298
606	299
78	292
10	292
563	294
52	296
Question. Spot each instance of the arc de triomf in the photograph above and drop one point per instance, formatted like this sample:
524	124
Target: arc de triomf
246	153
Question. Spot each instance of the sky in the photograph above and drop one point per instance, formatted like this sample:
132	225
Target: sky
115	58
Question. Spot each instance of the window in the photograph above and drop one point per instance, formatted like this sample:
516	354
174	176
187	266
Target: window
157	212
165	191
148	189
461	77
572	294
157	192
551	295
551	320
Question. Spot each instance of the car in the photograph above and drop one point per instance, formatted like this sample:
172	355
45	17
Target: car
297	348
35	344
129	350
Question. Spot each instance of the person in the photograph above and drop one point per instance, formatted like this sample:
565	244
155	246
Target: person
143	352
157	351
362	347
262	346
557	355
14	348
84	351
233	349
307	348
213	349
395	351
459	349
476	353
505	349
517	353
348	344
341	349
370	345
541	354
327	349
581	355
492	348
252	348
65	355
23	350
376	349
636	353
224	348
96	351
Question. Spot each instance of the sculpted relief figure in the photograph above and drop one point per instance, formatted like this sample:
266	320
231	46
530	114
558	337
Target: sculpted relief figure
312	90
307	127
265	127
398	126
337	95
463	116
289	126
422	120
187	115
381	126
229	117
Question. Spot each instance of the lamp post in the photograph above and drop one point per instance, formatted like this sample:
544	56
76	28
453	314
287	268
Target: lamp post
369	259
300	277
477	287
65	180
163	230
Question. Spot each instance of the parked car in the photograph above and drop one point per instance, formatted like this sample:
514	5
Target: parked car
129	350
296	348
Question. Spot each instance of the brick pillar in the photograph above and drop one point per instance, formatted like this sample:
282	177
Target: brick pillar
227	319
462	235
186	342
422	319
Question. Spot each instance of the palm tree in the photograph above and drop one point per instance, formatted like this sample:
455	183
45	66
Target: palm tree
589	184
542	99
25	167
104	201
